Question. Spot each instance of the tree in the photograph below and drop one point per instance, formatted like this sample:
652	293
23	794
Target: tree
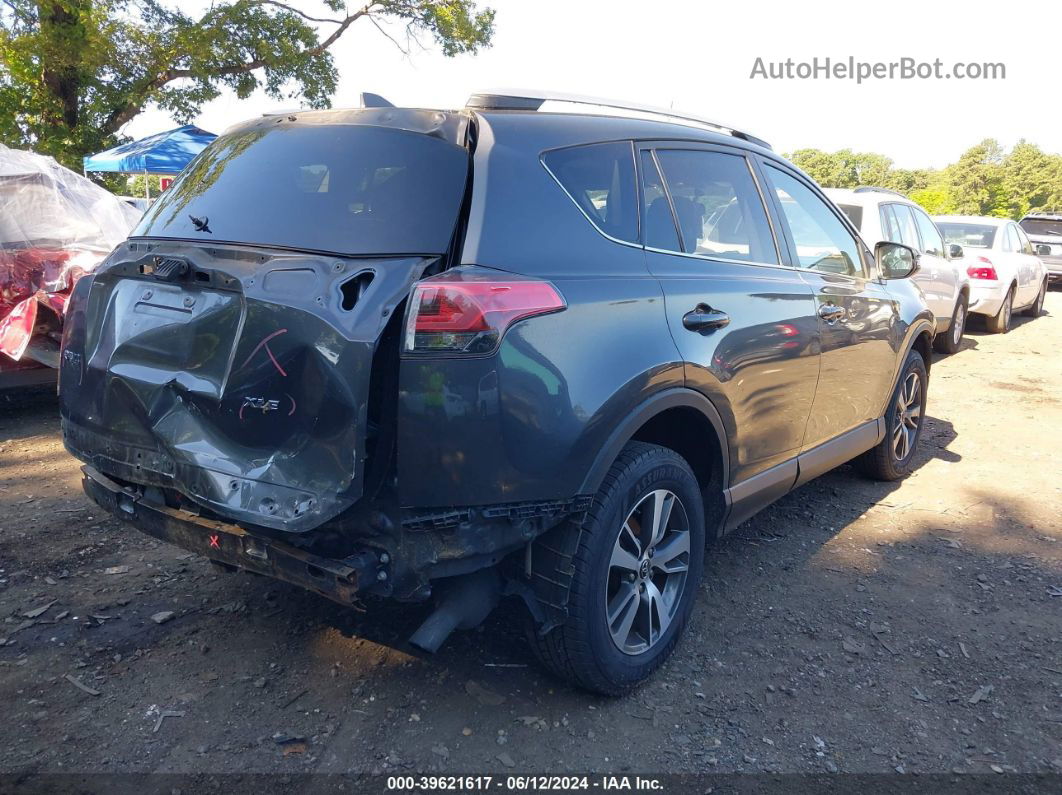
75	71
1031	179
975	182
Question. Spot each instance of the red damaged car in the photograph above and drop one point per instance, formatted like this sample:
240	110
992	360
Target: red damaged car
55	226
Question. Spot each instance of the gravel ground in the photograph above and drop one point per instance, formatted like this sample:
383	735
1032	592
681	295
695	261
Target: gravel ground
854	626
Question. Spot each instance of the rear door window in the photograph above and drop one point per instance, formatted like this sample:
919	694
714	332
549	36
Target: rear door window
717	206
658	222
600	179
343	188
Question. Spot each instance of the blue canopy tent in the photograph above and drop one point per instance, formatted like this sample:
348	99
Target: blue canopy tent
162	153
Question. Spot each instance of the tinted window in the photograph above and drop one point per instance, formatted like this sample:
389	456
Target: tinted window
968	235
822	241
906	223
660	229
854	213
932	242
717	205
600	178
343	188
1040	226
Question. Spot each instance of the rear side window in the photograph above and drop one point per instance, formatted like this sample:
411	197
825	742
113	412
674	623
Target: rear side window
854	213
931	240
717	206
344	188
600	179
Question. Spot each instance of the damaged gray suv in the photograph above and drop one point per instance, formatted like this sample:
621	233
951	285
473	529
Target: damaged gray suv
498	351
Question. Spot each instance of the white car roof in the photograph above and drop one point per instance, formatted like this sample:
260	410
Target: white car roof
866	198
987	220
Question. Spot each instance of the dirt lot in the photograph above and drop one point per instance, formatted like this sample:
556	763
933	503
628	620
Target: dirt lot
854	626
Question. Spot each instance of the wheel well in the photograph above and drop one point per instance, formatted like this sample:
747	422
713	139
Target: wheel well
924	345
689	433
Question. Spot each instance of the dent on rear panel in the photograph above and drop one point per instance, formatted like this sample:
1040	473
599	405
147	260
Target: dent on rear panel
248	397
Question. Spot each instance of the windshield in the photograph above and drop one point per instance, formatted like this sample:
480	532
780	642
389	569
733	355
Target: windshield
1038	226
968	235
348	189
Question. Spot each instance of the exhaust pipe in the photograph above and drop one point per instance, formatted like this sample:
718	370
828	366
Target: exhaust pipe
463	603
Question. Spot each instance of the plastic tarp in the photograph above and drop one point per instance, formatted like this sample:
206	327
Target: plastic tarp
55	226
162	153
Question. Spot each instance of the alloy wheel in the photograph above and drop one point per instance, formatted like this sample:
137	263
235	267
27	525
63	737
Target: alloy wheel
908	416
958	324
1006	311
647	572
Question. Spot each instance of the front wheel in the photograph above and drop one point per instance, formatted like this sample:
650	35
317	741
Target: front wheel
951	340
893	457
1038	305
635	573
1000	323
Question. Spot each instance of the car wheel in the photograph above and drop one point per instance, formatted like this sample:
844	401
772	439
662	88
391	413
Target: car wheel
1000	323
1038	305
951	340
893	457
635	573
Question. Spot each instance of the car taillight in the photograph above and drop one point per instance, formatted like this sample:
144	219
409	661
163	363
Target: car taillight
984	271
461	312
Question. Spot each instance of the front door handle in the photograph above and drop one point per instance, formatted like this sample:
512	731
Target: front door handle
702	318
831	313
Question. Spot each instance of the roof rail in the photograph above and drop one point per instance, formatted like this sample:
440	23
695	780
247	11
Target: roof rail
504	99
872	189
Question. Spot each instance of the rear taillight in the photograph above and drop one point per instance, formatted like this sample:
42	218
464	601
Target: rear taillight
463	312
986	270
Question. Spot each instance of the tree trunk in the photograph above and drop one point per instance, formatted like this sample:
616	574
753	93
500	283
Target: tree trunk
62	28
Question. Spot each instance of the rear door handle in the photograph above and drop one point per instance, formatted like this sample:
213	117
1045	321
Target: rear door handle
831	313
702	318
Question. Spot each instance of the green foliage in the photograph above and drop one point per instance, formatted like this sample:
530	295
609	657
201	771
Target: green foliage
73	72
985	180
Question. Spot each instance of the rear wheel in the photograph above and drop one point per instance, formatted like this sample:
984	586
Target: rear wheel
635	573
951	340
1000	323
893	457
1037	306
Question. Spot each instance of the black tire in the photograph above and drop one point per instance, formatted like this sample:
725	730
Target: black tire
884	461
582	649
951	340
1037	306
1000	322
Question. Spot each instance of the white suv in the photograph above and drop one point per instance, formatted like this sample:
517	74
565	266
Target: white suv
881	214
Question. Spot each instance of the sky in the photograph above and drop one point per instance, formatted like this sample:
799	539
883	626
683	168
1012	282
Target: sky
698	57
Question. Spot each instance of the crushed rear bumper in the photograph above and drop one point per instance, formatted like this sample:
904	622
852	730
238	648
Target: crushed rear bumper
339	580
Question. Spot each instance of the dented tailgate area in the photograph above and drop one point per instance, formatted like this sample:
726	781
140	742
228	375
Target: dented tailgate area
237	378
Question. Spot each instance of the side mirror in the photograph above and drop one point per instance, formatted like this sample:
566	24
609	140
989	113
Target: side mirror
955	251
895	260
1043	250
